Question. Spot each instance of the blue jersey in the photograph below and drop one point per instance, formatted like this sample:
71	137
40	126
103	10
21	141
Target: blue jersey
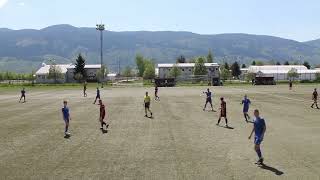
65	112
208	95
98	93
246	103
259	125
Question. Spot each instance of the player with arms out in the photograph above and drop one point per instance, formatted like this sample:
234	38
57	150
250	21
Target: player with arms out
259	129
102	115
23	95
97	96
66	117
315	98
208	99
246	103
147	101
223	112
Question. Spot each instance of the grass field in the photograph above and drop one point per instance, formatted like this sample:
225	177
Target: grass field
180	142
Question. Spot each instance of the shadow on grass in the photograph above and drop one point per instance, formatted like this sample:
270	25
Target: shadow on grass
67	136
227	127
272	169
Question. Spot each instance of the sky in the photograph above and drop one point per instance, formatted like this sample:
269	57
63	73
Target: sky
292	19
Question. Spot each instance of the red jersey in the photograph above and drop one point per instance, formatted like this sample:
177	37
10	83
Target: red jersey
102	111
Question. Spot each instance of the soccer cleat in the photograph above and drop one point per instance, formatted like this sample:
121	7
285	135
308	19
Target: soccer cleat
260	161
67	133
145	116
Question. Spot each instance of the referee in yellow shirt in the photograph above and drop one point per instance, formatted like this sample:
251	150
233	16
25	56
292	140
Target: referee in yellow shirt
147	101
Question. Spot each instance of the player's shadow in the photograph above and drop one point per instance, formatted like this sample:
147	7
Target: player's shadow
67	136
272	169
227	127
104	131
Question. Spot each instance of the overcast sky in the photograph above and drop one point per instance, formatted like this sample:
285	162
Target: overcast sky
292	19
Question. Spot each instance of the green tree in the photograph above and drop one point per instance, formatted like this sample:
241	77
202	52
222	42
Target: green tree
149	72
286	63
127	72
253	63
140	62
79	67
55	72
306	64
224	74
226	66
235	70
259	63
78	77
250	76
293	74
243	66
278	63
101	74
199	67
181	59
175	71
210	58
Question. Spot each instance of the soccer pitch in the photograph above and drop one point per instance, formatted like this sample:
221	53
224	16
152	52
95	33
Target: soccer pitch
180	142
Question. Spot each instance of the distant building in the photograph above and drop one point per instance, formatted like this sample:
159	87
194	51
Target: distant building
68	73
280	72
163	71
91	70
43	72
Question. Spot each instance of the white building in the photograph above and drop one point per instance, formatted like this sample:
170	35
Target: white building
187	69
68	73
91	70
43	72
280	72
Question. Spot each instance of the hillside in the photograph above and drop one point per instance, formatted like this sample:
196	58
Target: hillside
23	50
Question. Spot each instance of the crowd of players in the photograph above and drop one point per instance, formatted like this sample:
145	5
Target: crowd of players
259	125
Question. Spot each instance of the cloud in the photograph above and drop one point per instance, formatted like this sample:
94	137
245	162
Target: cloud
3	3
21	4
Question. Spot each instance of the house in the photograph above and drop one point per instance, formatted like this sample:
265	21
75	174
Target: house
68	73
280	72
91	70
43	72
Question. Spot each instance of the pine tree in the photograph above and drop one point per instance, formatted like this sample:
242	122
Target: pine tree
79	67
235	69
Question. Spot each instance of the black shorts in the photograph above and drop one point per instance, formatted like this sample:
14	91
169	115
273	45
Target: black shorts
147	105
209	100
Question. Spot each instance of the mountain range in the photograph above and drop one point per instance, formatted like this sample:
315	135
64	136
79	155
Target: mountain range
25	50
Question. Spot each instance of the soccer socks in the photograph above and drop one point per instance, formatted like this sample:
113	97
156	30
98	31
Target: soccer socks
66	129
246	117
259	153
226	121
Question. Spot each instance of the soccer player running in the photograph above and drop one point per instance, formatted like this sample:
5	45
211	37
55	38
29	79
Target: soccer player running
97	96
208	100
66	117
85	89
259	129
23	95
156	97
223	112
246	103
102	115
315	98
147	101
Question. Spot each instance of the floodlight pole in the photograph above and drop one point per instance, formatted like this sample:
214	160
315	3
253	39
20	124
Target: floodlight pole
101	28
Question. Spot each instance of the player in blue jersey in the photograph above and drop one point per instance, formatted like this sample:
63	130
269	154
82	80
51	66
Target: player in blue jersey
97	96
246	103
208	99
259	129
23	95
66	117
